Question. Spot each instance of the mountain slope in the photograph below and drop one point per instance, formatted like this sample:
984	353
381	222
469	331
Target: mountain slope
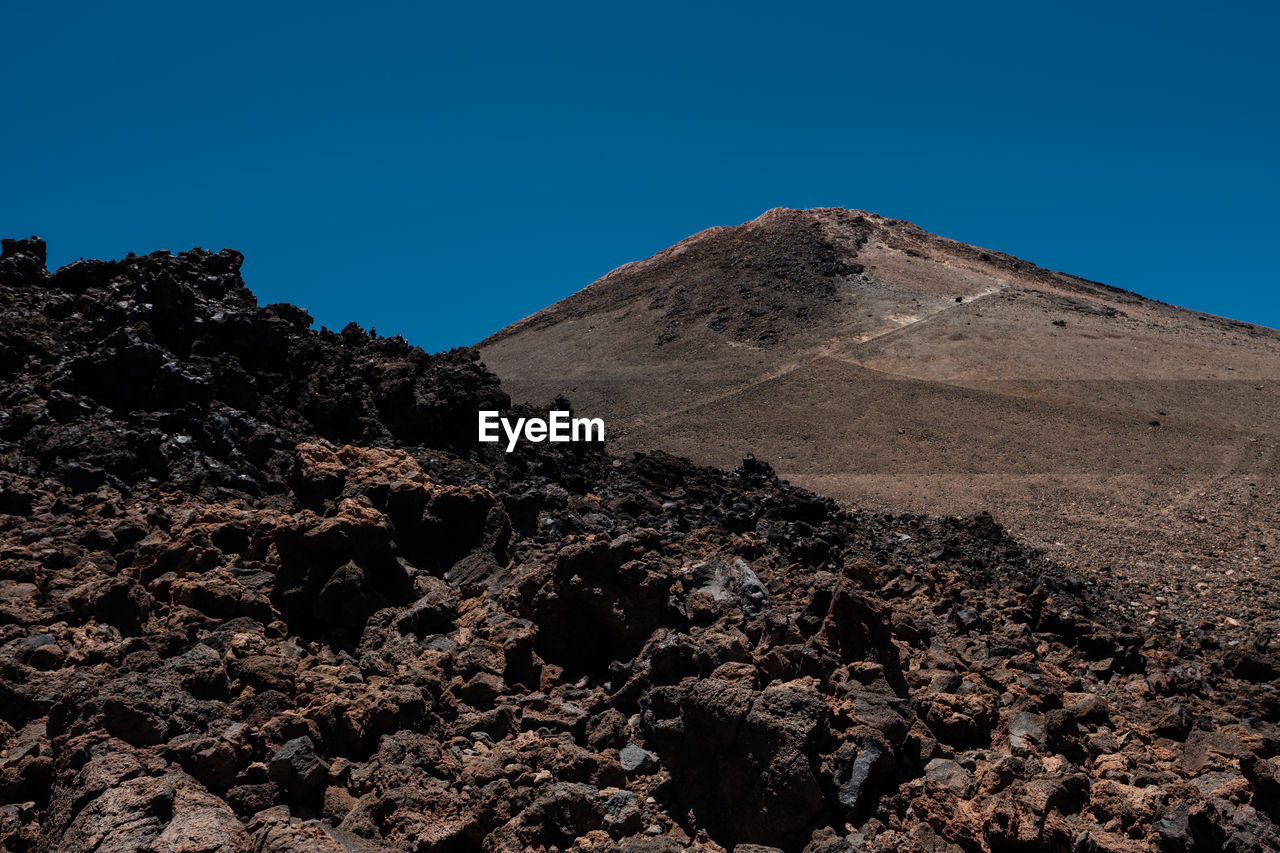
891	368
261	590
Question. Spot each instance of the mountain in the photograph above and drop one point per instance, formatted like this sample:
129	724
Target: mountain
892	369
261	589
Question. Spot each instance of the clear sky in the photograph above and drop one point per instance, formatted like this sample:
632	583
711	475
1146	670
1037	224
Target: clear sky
439	171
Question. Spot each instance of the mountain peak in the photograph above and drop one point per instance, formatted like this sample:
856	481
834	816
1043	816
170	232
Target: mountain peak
778	279
886	366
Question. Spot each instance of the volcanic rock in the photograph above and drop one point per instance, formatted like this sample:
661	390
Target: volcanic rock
261	590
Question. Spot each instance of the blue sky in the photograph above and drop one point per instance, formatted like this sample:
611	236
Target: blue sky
438	173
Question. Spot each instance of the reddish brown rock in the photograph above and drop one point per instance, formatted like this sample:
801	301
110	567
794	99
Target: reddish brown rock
260	590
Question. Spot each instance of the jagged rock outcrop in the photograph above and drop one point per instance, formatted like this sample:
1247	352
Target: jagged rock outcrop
260	591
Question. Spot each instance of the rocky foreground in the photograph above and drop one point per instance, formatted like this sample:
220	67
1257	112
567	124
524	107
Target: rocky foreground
261	590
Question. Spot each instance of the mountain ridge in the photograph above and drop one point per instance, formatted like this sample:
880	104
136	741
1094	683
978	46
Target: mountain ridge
936	376
903	229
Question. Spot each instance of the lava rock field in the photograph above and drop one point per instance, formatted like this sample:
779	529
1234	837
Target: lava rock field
262	590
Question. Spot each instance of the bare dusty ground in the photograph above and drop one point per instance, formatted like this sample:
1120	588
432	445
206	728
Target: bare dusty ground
894	370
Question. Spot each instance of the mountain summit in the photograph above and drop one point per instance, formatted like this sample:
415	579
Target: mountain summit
887	367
